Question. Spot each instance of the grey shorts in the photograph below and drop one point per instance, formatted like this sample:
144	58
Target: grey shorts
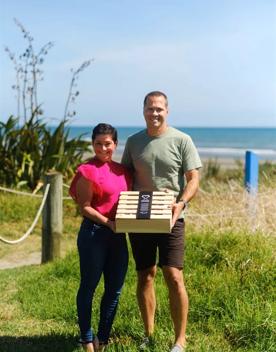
170	247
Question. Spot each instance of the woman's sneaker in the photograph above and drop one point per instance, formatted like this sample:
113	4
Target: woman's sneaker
146	343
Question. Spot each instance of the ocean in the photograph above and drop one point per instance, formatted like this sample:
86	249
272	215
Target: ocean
221	143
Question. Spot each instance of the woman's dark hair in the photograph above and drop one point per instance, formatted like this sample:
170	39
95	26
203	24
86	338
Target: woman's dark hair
105	128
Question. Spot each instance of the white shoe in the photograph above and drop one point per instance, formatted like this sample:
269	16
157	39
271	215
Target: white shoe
177	348
146	343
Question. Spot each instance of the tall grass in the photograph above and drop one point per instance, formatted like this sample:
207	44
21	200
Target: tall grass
230	207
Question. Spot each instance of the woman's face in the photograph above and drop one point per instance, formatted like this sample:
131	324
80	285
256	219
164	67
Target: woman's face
104	147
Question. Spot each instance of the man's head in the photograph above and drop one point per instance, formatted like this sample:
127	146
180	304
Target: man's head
156	112
156	93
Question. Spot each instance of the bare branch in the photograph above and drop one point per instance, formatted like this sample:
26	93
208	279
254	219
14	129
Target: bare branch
71	98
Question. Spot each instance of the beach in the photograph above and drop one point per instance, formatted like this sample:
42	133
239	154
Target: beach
223	162
225	146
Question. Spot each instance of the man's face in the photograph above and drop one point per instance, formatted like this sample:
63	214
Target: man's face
155	113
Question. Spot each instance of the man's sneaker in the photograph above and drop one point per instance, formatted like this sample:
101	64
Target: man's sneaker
177	348
146	343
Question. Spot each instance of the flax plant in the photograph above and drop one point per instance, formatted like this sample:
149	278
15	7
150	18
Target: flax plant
27	152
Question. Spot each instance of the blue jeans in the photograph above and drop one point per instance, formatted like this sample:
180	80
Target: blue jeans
100	252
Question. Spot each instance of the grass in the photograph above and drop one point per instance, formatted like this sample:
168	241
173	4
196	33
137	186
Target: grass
230	283
16	216
229	273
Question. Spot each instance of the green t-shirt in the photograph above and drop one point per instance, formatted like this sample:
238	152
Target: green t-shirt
160	162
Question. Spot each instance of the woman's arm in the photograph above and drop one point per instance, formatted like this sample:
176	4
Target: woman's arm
84	192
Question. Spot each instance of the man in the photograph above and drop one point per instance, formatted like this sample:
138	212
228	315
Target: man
162	157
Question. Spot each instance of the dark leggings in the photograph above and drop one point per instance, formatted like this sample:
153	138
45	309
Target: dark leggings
101	251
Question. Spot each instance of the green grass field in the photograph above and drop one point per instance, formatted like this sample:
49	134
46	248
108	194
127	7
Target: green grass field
229	273
230	283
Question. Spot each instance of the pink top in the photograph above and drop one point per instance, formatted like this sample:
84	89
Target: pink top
107	180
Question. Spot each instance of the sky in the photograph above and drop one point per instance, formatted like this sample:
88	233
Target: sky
215	59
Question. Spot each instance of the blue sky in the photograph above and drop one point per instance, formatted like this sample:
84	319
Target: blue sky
215	59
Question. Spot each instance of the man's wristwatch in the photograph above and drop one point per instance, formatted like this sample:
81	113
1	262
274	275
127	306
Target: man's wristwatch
185	204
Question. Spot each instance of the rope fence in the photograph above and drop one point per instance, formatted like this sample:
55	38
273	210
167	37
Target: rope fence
35	219
14	191
70	198
51	205
20	192
240	211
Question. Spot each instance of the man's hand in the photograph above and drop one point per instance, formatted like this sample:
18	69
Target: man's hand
192	177
176	211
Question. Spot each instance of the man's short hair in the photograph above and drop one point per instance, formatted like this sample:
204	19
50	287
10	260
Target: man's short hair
155	93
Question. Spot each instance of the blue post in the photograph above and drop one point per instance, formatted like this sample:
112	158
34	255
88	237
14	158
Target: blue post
251	172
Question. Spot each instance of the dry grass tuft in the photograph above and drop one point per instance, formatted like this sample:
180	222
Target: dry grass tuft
229	207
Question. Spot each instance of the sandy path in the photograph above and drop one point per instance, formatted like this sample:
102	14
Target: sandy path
14	261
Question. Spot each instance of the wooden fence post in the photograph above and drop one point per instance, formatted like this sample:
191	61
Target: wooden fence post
52	218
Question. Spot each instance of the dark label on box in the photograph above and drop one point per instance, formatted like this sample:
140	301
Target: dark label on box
144	205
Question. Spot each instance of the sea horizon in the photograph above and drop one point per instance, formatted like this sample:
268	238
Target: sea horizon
211	142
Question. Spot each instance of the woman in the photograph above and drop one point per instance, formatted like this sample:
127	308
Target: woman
96	188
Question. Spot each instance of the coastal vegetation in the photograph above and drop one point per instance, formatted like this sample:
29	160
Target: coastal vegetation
229	271
28	151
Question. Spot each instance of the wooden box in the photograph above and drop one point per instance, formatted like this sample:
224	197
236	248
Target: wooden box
144	212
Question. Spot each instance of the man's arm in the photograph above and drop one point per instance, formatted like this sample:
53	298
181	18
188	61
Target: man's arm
190	190
126	157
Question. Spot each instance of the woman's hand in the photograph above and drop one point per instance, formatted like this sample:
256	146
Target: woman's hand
111	224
